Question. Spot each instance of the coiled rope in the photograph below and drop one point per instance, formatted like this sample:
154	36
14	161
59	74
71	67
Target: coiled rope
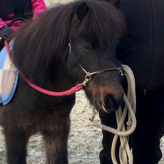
123	131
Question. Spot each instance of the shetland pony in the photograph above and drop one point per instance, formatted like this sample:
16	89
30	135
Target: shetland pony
55	52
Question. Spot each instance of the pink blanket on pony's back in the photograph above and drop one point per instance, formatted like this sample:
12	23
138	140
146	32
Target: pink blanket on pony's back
8	77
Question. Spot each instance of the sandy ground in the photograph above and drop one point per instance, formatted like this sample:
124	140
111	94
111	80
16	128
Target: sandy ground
84	141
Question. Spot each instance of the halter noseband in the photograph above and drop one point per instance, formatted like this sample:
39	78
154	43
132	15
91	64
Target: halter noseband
89	74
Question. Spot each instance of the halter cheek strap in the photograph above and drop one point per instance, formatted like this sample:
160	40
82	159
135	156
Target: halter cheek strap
69	45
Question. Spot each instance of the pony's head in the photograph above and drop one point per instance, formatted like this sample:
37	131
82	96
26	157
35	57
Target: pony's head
57	49
95	30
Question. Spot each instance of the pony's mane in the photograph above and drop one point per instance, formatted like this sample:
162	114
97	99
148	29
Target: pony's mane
39	43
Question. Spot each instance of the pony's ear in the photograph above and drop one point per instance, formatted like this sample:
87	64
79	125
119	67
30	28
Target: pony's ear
81	11
115	3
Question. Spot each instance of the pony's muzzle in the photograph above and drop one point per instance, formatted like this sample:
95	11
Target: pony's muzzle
110	104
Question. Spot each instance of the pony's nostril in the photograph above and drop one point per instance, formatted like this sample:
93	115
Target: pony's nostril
111	102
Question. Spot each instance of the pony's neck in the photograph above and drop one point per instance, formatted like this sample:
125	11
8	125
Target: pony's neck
55	78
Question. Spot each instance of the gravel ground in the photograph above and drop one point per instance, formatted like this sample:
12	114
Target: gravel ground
84	141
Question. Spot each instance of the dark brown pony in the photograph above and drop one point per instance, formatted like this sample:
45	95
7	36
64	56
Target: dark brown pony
41	52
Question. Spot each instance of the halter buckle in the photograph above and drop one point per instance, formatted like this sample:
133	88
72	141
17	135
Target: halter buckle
86	80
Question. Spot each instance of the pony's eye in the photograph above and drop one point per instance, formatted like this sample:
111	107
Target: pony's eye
86	47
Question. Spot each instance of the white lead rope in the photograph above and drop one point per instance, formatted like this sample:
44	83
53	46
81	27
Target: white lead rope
125	155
